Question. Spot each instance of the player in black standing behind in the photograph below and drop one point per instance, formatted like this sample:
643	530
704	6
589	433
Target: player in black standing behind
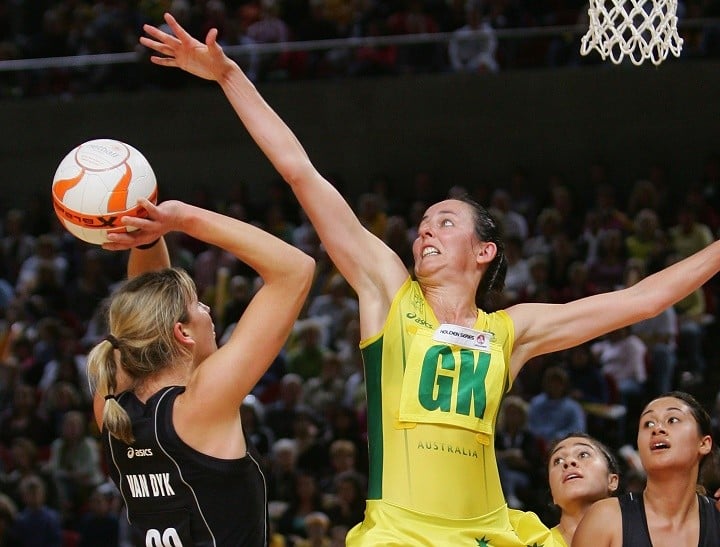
167	399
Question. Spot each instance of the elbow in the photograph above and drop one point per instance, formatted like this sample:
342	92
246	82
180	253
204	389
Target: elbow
296	171
305	272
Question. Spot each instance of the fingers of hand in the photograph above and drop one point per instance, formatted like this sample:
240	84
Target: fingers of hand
145	224
167	61
176	28
156	33
118	241
149	206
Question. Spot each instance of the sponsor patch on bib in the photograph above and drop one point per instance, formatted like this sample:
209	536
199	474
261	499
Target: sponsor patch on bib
463	336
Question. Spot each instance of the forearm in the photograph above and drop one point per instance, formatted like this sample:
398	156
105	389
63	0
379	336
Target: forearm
268	255
146	260
677	281
269	131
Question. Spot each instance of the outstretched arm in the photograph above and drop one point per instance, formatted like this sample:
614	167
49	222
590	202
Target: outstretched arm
226	376
546	328
373	270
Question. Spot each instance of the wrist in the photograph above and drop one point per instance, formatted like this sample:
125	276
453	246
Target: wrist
147	246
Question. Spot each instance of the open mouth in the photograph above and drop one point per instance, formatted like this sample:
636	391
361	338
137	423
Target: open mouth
427	251
659	445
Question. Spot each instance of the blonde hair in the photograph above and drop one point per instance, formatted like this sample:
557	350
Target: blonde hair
141	317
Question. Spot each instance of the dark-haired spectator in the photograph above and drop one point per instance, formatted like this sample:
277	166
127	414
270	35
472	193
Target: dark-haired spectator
68	365
513	223
280	413
75	464
334	306
538	289
413	18
46	252
307	352
282	470
306	498
660	334
23	419
269	28
47	335
562	254
322	392
540	240
518	451
16	245
24	460
578	283
587	382
89	286
347	506
308	433
342	456
252	413
99	524
553	413
59	399
518	271
396	237
317	528
239	294
647	241
607	270
689	235
37	524
622	358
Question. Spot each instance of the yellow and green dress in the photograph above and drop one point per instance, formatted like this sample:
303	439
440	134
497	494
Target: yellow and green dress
433	394
558	537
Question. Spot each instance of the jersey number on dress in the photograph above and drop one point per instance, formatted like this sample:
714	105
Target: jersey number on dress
168	538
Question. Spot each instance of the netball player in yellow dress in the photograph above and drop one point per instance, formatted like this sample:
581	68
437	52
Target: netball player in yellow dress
436	365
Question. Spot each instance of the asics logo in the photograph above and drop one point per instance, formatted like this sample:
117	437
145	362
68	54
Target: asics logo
139	452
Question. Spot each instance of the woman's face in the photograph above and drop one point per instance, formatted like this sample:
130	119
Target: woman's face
578	473
446	237
668	435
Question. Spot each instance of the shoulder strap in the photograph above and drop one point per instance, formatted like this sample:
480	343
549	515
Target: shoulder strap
635	532
709	522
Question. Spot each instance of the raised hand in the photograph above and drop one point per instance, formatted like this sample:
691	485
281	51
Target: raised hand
181	50
161	219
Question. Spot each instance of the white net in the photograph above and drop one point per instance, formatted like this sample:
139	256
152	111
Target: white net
639	29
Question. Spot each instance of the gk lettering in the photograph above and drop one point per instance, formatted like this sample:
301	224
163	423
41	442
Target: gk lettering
442	377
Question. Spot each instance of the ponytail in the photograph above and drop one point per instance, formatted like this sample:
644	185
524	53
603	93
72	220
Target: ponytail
102	371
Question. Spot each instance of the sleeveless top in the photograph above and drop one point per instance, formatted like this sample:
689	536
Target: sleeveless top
176	496
635	531
432	405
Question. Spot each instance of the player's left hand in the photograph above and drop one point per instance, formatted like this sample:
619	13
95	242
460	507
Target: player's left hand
206	60
159	221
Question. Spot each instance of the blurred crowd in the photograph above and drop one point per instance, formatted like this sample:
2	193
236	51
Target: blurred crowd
306	416
58	28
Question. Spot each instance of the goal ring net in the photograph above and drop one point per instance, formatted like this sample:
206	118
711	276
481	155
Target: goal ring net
638	29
